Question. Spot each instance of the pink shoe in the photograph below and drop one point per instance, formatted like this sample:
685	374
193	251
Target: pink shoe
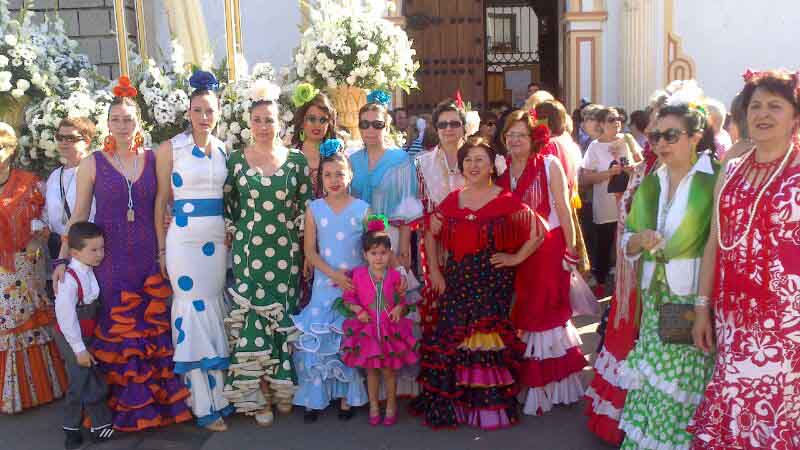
375	420
390	420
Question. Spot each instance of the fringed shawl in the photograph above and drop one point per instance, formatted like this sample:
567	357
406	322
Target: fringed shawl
532	188
20	203
466	232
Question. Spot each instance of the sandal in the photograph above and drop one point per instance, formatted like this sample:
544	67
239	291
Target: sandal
218	425
390	419
374	417
265	417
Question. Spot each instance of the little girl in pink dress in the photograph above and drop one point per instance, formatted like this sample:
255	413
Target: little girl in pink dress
379	339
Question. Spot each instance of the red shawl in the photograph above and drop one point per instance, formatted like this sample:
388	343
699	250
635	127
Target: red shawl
532	188
20	203
465	231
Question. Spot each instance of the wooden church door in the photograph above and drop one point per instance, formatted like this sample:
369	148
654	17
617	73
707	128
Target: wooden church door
449	37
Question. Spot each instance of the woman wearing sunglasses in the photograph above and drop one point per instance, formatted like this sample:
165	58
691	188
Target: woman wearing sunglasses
387	179
749	280
316	122
604	160
74	138
666	231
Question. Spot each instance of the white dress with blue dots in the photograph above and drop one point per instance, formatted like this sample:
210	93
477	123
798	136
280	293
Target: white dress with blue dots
321	374
196	261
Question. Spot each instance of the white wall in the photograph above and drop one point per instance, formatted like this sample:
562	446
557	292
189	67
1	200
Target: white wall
270	29
725	37
610	59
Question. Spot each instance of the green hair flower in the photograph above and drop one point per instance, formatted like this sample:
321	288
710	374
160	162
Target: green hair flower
303	93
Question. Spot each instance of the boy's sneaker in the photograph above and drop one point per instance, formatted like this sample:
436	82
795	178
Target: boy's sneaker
103	433
73	439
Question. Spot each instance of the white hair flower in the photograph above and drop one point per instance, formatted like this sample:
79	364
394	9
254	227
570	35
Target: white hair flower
264	90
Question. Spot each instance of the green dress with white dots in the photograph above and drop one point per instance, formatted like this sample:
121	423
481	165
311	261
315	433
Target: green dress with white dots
265	214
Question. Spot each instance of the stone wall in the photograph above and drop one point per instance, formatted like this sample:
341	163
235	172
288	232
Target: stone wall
91	23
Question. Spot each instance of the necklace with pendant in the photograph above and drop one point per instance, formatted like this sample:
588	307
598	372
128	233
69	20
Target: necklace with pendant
129	183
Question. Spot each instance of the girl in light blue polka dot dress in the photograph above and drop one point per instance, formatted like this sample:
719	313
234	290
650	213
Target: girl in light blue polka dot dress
333	231
192	167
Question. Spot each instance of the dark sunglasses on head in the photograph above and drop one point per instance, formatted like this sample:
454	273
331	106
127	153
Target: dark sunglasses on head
377	124
71	138
452	124
670	135
489	124
613	119
317	120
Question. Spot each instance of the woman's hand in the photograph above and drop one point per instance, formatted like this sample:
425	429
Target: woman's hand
437	282
649	239
501	260
363	316
703	330
341	279
435	224
58	276
307	268
397	313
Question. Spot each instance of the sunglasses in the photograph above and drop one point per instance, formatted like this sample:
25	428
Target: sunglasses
670	135
489	124
377	124
313	120
452	124
70	138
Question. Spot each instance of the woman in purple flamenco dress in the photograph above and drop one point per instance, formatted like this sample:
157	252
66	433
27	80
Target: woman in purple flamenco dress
132	343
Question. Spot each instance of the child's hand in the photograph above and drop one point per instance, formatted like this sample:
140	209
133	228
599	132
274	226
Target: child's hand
341	279
363	316
397	313
85	359
402	286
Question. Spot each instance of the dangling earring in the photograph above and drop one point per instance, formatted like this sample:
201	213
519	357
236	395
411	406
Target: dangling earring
138	142
109	145
302	135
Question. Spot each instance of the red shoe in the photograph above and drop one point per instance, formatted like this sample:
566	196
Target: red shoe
375	420
390	420
600	290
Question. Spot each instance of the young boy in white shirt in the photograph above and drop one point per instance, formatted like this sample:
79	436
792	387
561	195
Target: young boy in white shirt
77	303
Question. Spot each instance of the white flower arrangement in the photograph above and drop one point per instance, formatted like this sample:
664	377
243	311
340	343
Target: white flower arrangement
163	95
349	43
37	147
233	127
21	71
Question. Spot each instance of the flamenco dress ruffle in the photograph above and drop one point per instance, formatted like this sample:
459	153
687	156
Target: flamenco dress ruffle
133	346
378	345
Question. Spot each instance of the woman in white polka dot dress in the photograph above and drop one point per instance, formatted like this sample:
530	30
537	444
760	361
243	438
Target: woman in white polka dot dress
191	167
266	193
334	225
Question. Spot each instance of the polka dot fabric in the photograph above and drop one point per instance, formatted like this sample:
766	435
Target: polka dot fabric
197	274
266	212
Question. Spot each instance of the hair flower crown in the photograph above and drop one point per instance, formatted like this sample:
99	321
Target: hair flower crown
124	88
380	97
203	80
303	93
377	223
330	147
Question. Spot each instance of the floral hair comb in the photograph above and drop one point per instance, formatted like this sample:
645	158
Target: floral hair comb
380	97
377	222
330	146
303	93
124	88
202	80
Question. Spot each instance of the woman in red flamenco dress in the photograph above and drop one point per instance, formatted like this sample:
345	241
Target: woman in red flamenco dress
750	282
470	357
552	361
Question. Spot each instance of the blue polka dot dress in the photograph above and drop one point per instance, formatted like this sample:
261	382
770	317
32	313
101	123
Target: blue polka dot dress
321	375
196	260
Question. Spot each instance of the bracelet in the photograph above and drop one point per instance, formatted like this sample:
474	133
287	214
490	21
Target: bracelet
702	300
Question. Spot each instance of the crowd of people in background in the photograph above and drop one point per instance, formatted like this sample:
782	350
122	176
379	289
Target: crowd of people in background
193	282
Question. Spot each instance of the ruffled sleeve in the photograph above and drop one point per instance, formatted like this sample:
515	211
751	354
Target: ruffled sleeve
399	199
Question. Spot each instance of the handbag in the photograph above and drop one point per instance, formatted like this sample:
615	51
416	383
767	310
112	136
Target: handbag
675	322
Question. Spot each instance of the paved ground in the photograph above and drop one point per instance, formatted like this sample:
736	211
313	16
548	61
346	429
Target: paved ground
562	429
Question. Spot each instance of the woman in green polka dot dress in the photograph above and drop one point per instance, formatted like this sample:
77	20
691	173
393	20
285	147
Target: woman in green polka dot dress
266	193
667	228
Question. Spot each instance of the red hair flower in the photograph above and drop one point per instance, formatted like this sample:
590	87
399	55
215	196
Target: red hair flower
541	134
124	88
376	223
